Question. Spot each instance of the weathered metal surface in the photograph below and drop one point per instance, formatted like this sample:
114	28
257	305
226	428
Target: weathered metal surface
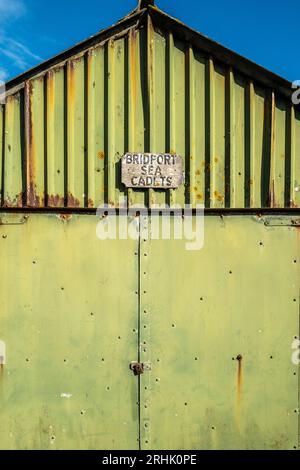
150	89
219	340
157	171
68	338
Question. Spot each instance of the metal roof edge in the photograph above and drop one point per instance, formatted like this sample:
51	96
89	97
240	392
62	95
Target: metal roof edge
164	21
226	56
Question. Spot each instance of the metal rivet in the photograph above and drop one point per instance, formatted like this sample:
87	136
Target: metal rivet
4	236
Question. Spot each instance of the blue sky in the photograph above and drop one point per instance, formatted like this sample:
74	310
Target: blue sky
265	31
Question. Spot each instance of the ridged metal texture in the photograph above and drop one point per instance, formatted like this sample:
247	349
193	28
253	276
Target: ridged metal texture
147	88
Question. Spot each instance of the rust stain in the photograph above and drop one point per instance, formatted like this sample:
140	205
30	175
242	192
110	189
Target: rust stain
199	197
56	201
91	204
71	83
16	202
132	42
216	160
89	67
293	204
101	155
31	199
198	173
73	201
50	90
218	196
65	217
239	377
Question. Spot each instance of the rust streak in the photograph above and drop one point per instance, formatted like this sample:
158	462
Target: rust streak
239	377
73	201
16	202
30	148
50	88
65	217
132	71
56	201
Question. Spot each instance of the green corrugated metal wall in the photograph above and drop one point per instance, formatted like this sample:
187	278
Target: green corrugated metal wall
64	132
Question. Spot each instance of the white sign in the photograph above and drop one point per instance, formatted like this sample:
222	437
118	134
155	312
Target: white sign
152	170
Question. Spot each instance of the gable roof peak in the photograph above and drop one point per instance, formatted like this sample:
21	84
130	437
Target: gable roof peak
145	4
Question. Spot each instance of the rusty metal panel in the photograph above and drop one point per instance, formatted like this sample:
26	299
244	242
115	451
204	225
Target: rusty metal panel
95	123
137	132
76	151
68	339
13	184
35	142
1	150
56	146
295	160
220	347
150	89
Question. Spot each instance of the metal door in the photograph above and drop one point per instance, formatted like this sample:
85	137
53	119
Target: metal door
213	330
69	324
217	326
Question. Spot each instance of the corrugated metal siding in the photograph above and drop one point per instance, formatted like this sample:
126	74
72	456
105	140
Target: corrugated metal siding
63	134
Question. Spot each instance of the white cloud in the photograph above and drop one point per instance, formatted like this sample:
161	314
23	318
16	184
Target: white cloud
3	74
11	9
19	54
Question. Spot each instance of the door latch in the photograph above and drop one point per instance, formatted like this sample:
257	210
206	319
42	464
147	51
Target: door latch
137	368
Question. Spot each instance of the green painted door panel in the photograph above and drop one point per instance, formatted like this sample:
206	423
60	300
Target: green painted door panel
217	325
68	317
